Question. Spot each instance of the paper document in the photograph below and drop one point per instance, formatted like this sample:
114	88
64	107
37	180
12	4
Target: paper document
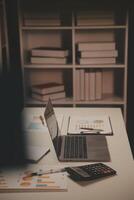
34	129
35	122
35	152
18	180
90	125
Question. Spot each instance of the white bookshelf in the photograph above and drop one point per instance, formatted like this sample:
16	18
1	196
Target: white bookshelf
67	35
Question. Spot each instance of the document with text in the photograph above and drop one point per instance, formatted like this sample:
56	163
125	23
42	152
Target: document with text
90	125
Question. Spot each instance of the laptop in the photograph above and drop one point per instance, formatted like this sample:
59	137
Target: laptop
75	147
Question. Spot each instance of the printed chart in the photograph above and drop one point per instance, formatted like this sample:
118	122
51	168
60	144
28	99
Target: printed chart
19	180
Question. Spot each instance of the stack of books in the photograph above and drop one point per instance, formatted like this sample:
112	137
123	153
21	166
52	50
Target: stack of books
97	53
94	18
49	55
41	19
44	91
99	47
93	84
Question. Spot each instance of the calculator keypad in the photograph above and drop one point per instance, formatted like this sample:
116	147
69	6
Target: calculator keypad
98	170
90	172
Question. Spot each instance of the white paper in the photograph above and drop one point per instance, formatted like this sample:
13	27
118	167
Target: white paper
34	123
35	152
101	123
17	179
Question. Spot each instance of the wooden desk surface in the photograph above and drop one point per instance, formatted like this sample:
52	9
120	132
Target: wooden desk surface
119	187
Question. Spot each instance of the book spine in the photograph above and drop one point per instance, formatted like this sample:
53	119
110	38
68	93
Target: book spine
87	86
45	53
96	46
92	85
77	83
94	14
98	84
82	85
90	22
98	54
46	60
48	90
53	96
108	81
97	37
41	22
84	61
40	15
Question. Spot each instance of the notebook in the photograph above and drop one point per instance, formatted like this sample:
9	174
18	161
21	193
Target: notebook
75	147
95	124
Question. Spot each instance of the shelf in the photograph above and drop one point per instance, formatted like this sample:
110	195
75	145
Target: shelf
52	66
72	27
101	27
67	101
107	100
26	28
101	66
36	66
66	31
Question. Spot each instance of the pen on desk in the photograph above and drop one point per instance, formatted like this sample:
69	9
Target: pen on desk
92	129
93	133
42	172
42	120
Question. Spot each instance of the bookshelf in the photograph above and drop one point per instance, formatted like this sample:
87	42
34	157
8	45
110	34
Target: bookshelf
67	35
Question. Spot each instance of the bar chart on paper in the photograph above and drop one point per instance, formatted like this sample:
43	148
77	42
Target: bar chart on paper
18	180
90	124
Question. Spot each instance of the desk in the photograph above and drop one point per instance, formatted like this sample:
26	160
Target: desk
120	187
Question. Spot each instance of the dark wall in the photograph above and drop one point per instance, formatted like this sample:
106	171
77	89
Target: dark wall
130	114
11	101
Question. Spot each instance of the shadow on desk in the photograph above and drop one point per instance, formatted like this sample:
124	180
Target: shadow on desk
87	183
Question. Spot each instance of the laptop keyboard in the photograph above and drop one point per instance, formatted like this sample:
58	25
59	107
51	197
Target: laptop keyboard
75	147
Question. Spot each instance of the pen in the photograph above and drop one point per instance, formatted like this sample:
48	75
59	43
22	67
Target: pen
92	129
93	133
42	172
42	120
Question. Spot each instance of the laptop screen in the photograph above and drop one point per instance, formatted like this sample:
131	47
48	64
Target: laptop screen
52	124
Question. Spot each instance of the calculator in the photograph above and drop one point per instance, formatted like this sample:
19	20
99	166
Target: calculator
90	172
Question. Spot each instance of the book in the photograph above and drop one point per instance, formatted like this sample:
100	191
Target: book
87	87
95	21
82	85
53	96
105	35
47	60
42	22
49	52
108	81
86	61
84	14
17	180
93	46
91	124
46	88
92	85
77	83
98	54
41	15
98	84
